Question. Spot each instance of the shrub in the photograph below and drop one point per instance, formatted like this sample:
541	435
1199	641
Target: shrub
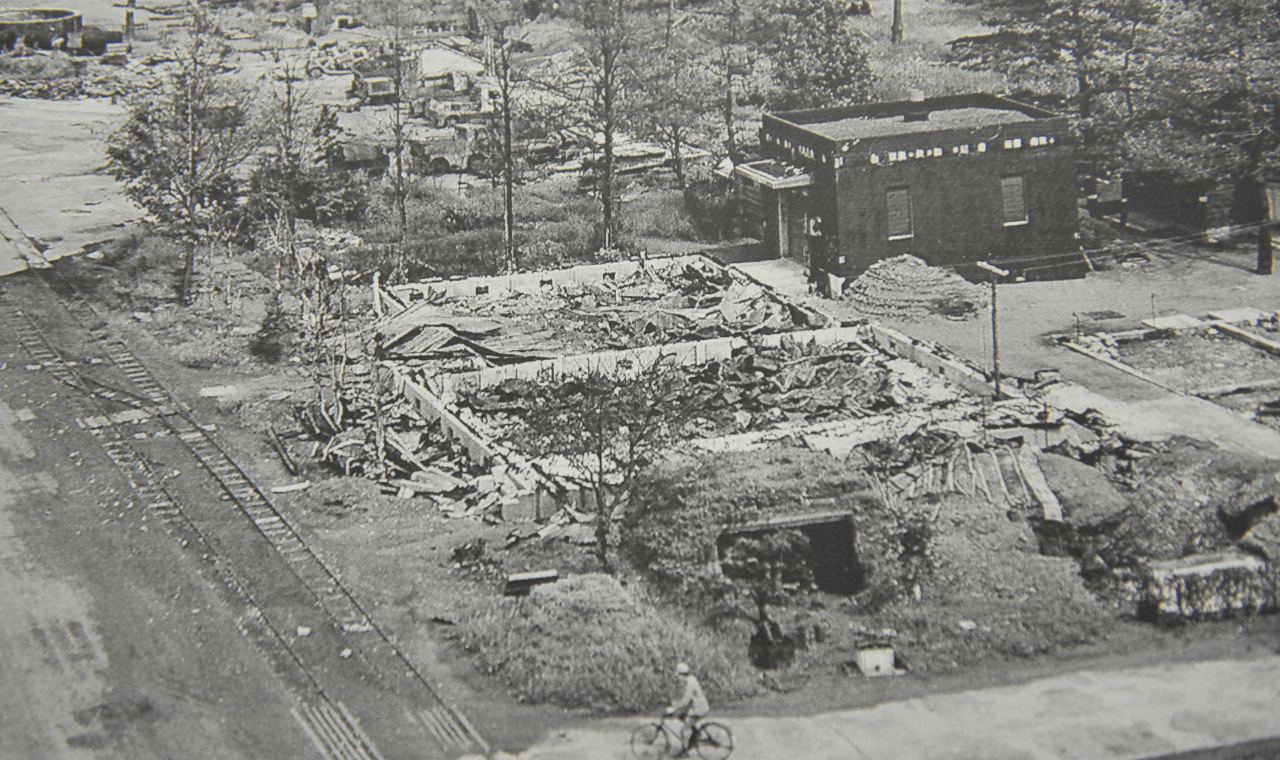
658	213
585	642
36	66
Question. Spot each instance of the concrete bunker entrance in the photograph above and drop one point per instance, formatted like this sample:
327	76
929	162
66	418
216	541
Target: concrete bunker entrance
832	555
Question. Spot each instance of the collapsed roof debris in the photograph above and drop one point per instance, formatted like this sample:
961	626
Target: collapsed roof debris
655	305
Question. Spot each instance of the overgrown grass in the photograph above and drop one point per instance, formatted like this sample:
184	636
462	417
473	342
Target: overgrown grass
585	642
460	232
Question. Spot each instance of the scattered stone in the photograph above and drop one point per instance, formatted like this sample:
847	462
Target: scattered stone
304	630
968	625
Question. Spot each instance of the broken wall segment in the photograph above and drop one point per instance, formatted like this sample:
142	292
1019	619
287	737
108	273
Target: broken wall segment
1207	586
526	494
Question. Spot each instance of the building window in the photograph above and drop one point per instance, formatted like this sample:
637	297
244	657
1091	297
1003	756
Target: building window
1015	201
899	201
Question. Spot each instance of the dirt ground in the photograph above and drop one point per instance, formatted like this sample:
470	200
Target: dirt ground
1195	362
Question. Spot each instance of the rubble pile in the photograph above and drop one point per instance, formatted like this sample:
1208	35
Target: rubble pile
755	389
654	306
65	88
905	287
408	457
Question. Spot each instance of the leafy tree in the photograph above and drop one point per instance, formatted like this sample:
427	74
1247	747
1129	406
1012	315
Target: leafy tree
818	59
672	98
184	140
1218	109
606	40
608	428
291	179
1070	44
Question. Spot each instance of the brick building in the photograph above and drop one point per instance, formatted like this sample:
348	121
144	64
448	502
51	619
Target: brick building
953	180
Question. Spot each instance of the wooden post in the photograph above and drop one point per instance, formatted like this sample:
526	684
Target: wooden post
895	31
128	20
995	328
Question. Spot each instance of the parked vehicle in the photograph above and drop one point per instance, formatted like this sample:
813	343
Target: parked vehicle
373	91
450	113
454	149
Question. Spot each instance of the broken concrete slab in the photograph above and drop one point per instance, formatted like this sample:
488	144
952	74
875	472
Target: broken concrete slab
1089	500
1175	322
1241	315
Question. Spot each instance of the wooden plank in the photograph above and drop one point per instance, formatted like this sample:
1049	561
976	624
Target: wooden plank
1035	480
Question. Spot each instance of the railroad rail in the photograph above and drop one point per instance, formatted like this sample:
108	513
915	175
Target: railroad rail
336	734
327	722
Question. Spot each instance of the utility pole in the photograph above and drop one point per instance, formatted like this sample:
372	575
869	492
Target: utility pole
995	329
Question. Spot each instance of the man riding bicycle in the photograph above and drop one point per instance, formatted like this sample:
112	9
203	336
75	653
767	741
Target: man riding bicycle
691	708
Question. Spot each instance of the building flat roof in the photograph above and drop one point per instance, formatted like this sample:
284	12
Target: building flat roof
861	127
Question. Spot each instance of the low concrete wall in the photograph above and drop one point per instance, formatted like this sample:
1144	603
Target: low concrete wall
625	363
1257	341
908	348
433	409
1206	586
534	282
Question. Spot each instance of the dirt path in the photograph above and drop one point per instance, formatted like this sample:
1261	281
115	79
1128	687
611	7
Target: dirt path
107	647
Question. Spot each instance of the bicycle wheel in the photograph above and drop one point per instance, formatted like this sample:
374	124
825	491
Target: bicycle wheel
650	742
714	741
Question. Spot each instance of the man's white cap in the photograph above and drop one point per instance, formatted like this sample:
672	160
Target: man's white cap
682	669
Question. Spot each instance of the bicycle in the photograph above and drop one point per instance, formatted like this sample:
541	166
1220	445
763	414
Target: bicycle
654	741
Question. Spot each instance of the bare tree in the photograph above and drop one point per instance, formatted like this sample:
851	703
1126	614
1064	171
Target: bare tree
507	73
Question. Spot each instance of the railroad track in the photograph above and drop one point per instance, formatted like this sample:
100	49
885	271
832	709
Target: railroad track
334	730
327	722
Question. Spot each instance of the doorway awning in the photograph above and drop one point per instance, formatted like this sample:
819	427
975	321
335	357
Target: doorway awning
775	175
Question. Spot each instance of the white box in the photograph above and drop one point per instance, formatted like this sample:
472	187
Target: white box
876	661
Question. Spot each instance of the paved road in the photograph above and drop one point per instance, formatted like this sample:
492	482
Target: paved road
1114	715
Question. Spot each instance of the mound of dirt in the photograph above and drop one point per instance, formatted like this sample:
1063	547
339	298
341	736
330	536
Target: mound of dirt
905	287
1194	498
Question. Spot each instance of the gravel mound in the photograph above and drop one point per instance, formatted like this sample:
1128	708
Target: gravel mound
905	287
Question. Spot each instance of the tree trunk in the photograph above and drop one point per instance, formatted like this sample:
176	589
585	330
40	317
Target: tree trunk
606	177
508	175
677	158
1266	258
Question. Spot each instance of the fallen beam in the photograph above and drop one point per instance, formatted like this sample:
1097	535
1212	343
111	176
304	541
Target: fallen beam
1257	341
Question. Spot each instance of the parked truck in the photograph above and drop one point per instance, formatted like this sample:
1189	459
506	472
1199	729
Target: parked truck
461	148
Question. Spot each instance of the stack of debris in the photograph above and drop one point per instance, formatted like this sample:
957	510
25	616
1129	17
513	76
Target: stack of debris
65	88
410	458
905	287
758	388
653	306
